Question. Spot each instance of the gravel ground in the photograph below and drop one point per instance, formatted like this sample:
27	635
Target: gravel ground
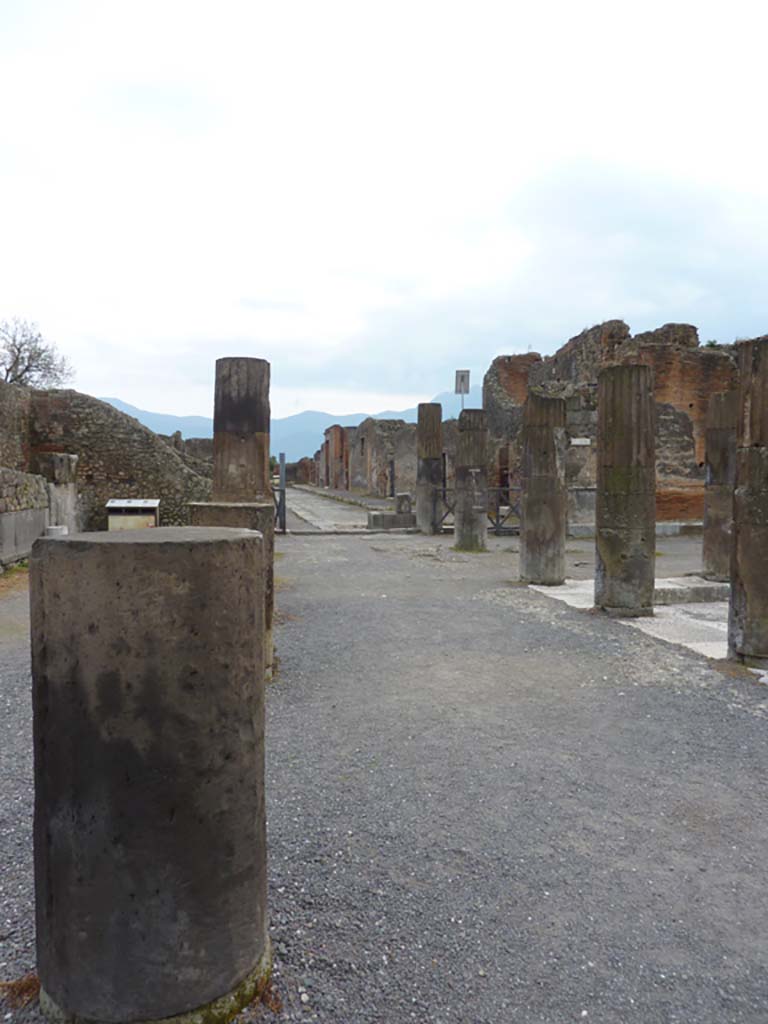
483	806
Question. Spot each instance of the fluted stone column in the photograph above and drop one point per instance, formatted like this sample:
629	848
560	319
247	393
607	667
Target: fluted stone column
748	617
471	473
544	496
149	834
722	420
626	491
429	452
242	485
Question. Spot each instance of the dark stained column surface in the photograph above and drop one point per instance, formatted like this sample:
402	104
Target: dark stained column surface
544	497
241	430
244	515
748	618
429	453
471	509
626	491
722	420
149	835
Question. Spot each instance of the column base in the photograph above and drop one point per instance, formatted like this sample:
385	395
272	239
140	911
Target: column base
627	613
218	1011
749	660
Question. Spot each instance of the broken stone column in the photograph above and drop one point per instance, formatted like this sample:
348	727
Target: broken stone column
544	495
722	420
242	485
748	614
149	833
626	491
429	453
471	509
241	430
60	470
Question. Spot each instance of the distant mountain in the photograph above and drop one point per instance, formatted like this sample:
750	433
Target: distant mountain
297	435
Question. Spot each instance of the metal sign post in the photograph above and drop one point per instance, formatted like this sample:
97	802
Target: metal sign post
462	385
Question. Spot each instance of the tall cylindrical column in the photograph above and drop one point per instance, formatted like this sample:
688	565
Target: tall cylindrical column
748	617
429	451
150	842
626	490
722	420
544	497
241	430
471	507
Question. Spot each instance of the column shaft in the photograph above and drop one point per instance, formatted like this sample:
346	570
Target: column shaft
241	430
544	497
150	842
429	452
471	494
722	419
626	491
748	615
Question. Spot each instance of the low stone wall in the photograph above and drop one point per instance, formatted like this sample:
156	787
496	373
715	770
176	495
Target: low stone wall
23	513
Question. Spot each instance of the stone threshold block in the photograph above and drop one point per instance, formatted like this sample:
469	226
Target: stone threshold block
150	827
391	520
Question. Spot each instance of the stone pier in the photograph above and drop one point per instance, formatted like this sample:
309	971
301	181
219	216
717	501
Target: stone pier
626	491
242	485
429	453
149	832
721	424
748	616
544	495
471	508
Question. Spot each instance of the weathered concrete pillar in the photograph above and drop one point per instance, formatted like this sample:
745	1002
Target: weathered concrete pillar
242	483
247	515
471	509
626	491
722	420
748	617
241	430
429	452
544	496
149	835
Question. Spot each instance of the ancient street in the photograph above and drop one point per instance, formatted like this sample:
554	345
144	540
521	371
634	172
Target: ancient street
483	805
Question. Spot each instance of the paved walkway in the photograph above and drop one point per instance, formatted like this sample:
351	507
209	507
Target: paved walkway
484	806
324	513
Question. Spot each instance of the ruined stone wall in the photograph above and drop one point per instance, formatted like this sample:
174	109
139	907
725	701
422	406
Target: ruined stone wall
15	403
301	472
23	513
337	458
685	376
19	491
195	452
505	387
118	457
375	445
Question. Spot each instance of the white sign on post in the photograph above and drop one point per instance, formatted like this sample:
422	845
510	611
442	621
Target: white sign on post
462	382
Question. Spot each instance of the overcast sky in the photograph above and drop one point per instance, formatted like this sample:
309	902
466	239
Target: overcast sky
372	194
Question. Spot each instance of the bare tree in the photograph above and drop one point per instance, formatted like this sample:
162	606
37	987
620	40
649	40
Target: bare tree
26	358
